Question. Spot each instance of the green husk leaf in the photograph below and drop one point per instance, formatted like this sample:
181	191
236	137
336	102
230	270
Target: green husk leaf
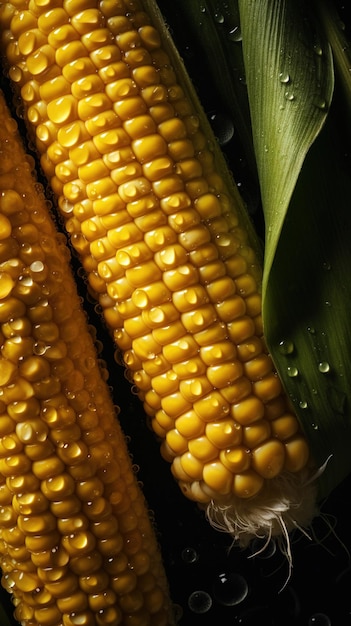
289	75
307	302
304	171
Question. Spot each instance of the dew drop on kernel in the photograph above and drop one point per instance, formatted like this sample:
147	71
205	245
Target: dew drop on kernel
199	602
230	589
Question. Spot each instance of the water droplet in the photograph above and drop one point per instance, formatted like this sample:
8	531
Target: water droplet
223	127
199	602
303	404
324	367
317	50
189	555
314	426
289	96
320	103
235	34
326	266
230	589
319	619
327	303
293	372
284	78
286	347
219	18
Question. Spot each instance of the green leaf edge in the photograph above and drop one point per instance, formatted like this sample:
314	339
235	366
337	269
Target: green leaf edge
290	81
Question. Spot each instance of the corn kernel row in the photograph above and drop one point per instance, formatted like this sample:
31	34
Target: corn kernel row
76	543
159	237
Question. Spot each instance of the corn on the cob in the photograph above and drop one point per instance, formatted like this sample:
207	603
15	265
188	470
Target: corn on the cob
76	542
164	249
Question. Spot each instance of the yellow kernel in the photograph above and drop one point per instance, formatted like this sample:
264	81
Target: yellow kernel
194	388
241	329
268	388
149	147
224	433
168	185
268	458
258	367
190	425
37	524
250	349
220	289
176	441
76	601
246	285
140	126
189	298
218	477
218	353
181	350
171	257
175	404
58	487
211	407
208	205
236	459
247	484
166	383
296	454
192	465
231	308
211	335
224	374
285	426
35	368
202	448
256	433
8	372
164	421
199	319
47	467
5	227
248	410
253	305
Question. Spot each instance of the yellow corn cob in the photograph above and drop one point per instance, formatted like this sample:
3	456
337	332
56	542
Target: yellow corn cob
160	235
76	543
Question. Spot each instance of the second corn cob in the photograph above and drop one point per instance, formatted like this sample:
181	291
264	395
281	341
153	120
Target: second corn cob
76	543
160	236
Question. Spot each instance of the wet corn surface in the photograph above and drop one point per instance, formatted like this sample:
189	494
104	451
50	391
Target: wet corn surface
214	583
